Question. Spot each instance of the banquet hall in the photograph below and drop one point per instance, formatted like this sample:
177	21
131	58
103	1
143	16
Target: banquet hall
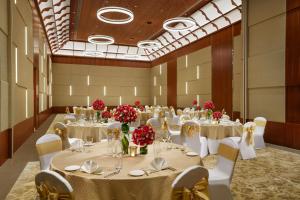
149	100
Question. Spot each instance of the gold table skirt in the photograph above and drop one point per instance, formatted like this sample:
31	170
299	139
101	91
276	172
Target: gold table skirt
156	186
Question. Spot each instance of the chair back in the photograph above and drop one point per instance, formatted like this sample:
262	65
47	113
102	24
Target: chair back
184	118
247	143
47	146
154	123
186	110
260	125
59	125
190	176
227	155
190	134
179	112
51	185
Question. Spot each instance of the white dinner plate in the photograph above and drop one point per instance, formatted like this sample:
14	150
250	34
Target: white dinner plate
137	172
191	153
72	168
88	144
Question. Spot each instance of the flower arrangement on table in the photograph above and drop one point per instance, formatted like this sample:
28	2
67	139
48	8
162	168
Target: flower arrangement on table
217	115
143	135
194	103
209	106
138	105
125	114
106	115
99	106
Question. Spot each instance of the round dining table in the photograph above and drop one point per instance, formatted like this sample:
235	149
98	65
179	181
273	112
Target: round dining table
122	186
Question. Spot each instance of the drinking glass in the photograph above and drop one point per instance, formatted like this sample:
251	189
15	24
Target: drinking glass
118	156
157	149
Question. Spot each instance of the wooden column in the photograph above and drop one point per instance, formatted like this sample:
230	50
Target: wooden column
222	69
172	83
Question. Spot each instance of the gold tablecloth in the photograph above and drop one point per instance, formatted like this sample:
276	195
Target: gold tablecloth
156	186
96	130
219	131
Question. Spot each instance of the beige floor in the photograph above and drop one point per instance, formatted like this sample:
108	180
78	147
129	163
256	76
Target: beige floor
11	169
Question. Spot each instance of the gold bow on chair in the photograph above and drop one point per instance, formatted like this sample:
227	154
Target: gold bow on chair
162	114
164	125
249	137
114	132
198	192
67	110
50	193
189	130
62	133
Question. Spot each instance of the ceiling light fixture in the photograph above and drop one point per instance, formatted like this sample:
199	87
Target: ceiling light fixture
93	53
186	21
148	44
101	39
112	9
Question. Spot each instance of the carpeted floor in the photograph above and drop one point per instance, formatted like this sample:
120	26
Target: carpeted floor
274	175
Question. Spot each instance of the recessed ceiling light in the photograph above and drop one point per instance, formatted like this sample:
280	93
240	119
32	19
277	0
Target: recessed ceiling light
188	24
148	44
112	9
93	53
101	39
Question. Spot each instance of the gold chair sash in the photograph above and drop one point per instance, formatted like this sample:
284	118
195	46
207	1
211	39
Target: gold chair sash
179	112
260	123
164	125
174	127
161	114
115	132
228	152
62	133
189	130
67	110
49	147
198	192
50	193
249	137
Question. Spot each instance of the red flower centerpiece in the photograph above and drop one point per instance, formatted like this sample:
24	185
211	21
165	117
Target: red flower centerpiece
217	115
194	103
105	115
137	103
125	114
143	136
198	108
99	106
209	106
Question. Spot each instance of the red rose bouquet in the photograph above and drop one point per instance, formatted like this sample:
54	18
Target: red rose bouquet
137	103
106	114
198	108
98	105
194	103
209	105
141	108
143	136
125	114
217	115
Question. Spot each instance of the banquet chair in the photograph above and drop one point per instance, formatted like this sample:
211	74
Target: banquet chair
191	137
184	117
66	141
186	110
51	185
222	173
259	132
246	144
213	145
198	175
179	112
110	129
47	146
174	129
156	124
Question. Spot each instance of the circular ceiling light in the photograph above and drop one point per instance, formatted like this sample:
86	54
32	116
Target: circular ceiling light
101	39
148	44
187	22
112	9
93	53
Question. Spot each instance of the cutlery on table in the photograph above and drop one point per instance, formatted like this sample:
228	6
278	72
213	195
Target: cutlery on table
113	173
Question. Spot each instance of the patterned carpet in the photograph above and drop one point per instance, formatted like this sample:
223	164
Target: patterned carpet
274	175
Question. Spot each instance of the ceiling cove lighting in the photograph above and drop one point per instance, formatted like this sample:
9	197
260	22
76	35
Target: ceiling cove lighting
120	100
198	72
186	21
186	62
93	53
88	80
160	90
26	42
113	9
132	56
70	90
154	100
148	44
101	39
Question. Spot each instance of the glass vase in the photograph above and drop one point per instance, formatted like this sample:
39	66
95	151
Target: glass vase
144	150
125	138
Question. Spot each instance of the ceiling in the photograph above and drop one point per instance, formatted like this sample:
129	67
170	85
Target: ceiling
149	16
68	23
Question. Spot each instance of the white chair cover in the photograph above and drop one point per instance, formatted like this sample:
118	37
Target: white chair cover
51	183
174	129
184	117
66	143
195	142
47	146
222	173
259	132
247	150
156	124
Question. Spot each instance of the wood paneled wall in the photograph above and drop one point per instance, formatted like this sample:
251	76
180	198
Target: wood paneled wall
172	83
222	70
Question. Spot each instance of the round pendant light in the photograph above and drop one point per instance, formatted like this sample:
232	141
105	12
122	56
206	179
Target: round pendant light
148	44
93	53
101	39
188	24
113	9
